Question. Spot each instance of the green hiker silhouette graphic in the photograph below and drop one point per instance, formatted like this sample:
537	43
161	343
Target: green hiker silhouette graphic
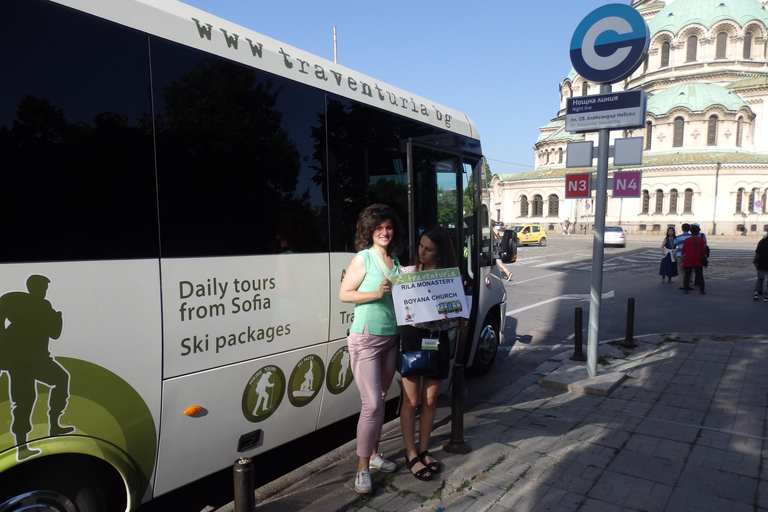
27	322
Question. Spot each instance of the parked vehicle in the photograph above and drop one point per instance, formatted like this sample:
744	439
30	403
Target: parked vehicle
615	235
528	234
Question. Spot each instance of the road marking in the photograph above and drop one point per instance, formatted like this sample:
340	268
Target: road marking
570	296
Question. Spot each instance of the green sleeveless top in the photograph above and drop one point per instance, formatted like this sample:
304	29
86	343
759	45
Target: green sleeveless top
378	315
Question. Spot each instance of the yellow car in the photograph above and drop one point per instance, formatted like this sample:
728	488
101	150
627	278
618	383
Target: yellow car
528	234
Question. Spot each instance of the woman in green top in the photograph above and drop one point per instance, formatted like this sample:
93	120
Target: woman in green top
373	340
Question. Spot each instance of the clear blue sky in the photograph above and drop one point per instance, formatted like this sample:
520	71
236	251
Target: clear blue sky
497	61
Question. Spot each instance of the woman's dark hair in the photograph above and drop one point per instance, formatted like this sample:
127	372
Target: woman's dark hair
695	230
370	219
446	256
673	231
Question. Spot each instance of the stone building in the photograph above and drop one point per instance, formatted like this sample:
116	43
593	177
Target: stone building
705	139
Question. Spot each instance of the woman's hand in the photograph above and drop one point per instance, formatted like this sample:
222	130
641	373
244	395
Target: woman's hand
385	287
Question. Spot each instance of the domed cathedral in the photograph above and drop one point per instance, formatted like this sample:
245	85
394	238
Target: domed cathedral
705	139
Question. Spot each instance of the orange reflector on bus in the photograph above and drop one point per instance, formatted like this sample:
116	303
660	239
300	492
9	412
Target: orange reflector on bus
191	411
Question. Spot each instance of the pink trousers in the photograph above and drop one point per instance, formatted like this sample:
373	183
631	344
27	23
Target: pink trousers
373	360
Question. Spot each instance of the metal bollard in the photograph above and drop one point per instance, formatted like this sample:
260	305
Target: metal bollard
578	353
243	472
629	341
457	444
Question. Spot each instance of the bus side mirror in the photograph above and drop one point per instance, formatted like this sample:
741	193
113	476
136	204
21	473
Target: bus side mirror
508	251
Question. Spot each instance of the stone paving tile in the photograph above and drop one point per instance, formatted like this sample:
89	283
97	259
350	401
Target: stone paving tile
687	500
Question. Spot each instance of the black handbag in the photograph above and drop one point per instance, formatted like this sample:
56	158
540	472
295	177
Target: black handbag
418	363
704	260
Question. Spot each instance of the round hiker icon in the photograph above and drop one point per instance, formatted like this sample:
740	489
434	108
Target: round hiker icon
339	376
263	393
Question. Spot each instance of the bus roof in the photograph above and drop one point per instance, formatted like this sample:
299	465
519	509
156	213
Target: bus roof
187	25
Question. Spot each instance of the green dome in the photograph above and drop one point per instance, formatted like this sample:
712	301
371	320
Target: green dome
682	13
695	97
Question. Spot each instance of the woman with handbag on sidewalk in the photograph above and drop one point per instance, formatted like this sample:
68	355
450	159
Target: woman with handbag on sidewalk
694	258
668	267
435	251
373	338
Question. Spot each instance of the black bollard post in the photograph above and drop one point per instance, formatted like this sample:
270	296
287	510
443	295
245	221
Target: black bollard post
243	472
578	353
629	340
457	444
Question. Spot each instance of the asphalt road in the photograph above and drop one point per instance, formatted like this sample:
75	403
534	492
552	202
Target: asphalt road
548	284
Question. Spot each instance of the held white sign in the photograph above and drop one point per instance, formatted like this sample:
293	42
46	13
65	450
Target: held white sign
429	295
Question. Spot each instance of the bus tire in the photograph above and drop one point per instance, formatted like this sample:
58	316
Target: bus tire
487	345
60	486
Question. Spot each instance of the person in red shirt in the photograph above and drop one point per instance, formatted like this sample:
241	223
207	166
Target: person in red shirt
693	248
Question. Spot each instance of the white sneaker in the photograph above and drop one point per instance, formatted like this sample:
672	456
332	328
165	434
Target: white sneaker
756	296
382	464
363	482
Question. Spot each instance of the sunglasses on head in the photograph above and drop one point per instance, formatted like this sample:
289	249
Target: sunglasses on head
381	211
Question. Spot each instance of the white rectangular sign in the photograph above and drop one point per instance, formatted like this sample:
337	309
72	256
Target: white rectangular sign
428	296
625	109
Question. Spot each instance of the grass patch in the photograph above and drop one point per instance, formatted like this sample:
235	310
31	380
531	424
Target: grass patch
496	463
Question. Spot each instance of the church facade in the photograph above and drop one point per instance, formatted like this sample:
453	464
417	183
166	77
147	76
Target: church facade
705	139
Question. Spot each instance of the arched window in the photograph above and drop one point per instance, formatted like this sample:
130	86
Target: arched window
523	206
659	201
722	41
585	88
679	132
690	48
739	130
747	46
739	200
673	201
752	197
648	134
664	54
646	201
553	206
712	131
560	155
538	206
688	203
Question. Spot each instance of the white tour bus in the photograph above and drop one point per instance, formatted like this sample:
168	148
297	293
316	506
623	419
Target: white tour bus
179	197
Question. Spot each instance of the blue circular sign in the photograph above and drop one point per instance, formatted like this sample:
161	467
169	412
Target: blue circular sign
609	44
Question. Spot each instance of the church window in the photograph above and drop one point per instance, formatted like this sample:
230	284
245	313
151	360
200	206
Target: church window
691	48
560	155
739	130
646	201
712	131
664	54
584	88
523	206
648	134
720	45
739	200
659	201
538	206
747	46
553	206
688	202
677	139
752	196
673	201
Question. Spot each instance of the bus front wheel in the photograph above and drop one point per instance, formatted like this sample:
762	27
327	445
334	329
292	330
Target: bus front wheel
487	345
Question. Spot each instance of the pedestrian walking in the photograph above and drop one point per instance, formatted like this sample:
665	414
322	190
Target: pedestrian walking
668	266
761	265
679	240
693	254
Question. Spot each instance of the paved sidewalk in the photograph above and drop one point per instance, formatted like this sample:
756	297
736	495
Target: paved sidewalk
684	431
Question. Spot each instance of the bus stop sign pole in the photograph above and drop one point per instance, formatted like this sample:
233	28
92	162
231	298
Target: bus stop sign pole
598	245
